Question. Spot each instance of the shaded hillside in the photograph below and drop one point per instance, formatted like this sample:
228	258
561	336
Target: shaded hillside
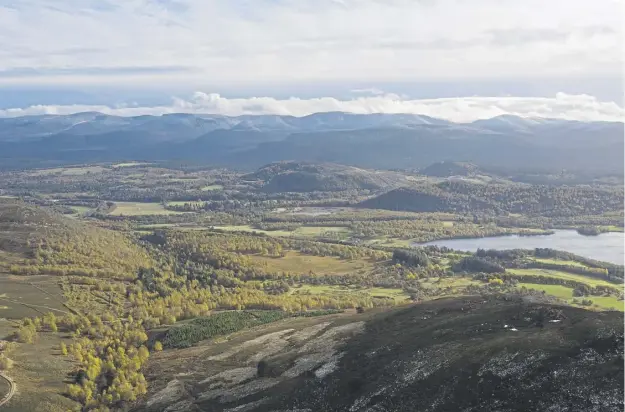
469	354
448	169
426	199
308	177
501	198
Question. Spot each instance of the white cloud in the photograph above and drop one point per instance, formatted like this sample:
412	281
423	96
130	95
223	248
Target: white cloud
465	109
78	41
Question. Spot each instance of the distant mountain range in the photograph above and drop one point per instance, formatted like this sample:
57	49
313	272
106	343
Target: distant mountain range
387	141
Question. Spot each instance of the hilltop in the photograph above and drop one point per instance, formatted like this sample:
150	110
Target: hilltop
469	354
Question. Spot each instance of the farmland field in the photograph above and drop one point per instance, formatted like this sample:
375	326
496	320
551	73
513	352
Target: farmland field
129	164
566	293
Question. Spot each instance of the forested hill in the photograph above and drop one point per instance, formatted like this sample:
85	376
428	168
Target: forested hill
308	177
464	197
373	141
36	241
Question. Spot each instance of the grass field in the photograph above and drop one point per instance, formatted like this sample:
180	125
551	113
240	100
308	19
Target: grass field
566	293
296	262
211	187
29	296
69	171
396	294
563	275
612	228
560	262
138	209
607	302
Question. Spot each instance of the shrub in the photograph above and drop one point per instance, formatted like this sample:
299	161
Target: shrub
26	333
5	363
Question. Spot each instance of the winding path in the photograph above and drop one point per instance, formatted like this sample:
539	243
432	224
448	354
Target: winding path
11	392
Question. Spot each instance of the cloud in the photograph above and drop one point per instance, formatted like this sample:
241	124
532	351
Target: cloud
229	42
464	109
373	91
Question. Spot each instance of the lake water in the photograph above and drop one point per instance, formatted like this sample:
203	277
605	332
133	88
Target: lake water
608	247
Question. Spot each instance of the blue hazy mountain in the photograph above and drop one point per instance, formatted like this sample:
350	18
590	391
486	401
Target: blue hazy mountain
384	141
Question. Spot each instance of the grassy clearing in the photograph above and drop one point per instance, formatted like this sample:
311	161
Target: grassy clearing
129	164
319	230
80	210
608	302
397	294
390	242
211	187
304	231
296	262
562	275
248	228
449	282
30	296
139	209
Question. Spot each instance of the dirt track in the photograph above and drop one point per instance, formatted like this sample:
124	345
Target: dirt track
11	392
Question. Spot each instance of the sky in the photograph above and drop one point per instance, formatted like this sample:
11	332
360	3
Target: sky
149	54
